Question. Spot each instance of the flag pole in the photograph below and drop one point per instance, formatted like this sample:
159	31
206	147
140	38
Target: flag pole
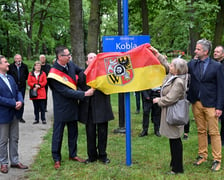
127	95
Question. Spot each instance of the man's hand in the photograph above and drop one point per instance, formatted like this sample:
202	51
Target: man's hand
218	113
18	105
89	92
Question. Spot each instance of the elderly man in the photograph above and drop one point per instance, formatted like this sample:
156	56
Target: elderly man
219	56
207	98
46	68
20	73
11	101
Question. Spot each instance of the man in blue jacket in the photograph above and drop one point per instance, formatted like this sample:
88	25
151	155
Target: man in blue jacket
207	98
11	100
62	81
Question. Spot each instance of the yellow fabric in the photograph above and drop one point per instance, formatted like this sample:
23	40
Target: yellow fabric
62	80
144	78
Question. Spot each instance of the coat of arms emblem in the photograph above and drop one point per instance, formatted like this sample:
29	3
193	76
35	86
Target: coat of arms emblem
119	69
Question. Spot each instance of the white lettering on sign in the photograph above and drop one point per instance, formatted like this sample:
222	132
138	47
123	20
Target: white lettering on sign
123	46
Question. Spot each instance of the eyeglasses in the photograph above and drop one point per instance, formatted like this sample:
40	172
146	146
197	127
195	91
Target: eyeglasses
66	55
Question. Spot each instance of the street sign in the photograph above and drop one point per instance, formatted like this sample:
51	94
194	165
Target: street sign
123	43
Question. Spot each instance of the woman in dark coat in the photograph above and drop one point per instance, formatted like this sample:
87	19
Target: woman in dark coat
95	112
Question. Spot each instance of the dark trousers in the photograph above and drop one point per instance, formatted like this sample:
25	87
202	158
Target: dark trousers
176	149
57	137
45	101
187	127
20	112
222	129
97	132
38	104
155	110
138	98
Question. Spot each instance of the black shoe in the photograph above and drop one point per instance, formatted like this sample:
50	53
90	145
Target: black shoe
87	161
105	161
120	130
35	122
46	110
22	120
44	122
137	112
143	133
157	134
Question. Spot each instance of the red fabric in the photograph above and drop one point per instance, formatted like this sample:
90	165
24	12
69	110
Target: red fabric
41	92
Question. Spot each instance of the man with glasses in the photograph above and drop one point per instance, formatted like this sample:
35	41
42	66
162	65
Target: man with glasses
62	81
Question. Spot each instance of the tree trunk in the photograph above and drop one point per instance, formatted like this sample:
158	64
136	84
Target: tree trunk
20	25
93	27
219	26
194	34
29	27
77	35
145	19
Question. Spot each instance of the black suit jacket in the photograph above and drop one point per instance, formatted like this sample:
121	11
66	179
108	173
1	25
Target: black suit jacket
24	72
210	86
65	99
96	108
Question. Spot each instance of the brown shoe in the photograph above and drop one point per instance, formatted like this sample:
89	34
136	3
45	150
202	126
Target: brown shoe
77	159
19	166
216	165
4	168
199	160
57	164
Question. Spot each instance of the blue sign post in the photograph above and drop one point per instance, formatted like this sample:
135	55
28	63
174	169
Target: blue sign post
122	44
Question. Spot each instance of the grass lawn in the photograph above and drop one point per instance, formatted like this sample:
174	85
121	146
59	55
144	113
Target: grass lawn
150	156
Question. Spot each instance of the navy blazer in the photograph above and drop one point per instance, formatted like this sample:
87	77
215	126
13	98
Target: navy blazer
210	86
65	99
8	100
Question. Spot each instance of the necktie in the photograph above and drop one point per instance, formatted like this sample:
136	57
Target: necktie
201	68
18	73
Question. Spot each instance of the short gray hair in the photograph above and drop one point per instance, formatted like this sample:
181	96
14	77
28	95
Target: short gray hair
1	57
206	45
180	65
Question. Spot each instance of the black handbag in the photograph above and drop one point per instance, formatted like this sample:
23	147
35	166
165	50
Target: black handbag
33	93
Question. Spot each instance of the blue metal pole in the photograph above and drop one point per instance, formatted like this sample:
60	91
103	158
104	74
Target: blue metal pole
127	95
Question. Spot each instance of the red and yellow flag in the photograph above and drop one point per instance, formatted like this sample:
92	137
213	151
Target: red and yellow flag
134	70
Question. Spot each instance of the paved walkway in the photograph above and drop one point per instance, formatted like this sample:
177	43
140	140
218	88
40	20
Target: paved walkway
30	138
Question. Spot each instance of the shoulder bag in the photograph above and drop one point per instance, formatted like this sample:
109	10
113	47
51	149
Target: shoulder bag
33	92
178	113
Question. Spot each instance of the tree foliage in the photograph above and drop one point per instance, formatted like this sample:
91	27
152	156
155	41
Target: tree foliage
31	27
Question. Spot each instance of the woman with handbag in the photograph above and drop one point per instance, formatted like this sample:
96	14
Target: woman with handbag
173	90
37	81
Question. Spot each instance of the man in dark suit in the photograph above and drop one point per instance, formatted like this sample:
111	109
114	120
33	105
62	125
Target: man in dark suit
95	112
20	73
46	68
219	56
11	100
62	81
207	98
150	108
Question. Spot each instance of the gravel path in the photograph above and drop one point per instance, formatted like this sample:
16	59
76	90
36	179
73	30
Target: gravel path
30	138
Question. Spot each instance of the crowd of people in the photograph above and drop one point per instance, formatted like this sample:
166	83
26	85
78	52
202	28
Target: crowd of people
74	100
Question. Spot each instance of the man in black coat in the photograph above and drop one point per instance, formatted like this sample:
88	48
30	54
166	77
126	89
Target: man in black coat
219	56
148	106
20	73
46	68
62	81
95	112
